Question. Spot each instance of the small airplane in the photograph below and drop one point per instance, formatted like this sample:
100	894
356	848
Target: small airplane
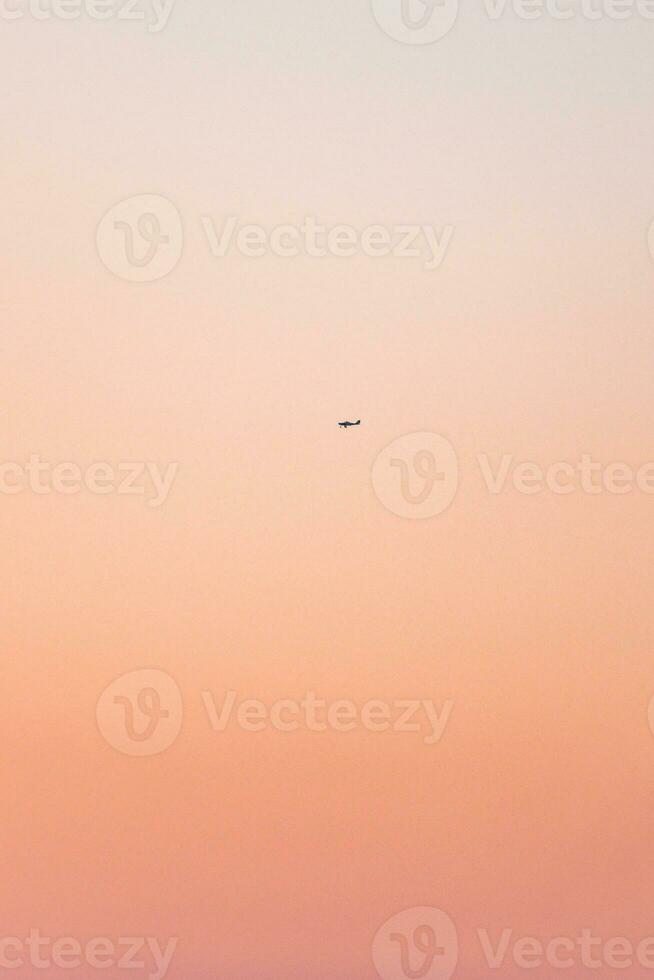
347	425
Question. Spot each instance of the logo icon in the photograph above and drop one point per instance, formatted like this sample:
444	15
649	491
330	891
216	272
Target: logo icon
650	239
141	712
416	21
141	239
416	476
417	944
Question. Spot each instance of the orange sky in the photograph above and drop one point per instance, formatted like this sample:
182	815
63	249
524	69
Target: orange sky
272	569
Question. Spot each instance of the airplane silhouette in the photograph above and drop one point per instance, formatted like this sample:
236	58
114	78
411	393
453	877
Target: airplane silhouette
347	425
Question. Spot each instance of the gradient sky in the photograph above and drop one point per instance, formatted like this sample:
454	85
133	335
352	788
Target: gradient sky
273	569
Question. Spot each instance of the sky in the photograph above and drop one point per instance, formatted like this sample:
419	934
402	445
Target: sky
282	558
